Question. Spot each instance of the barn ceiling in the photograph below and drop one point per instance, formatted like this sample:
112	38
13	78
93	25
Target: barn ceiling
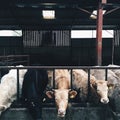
69	14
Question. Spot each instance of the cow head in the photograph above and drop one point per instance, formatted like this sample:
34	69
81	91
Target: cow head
61	99
13	72
21	71
101	88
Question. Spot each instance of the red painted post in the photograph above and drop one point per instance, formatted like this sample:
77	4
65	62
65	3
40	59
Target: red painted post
99	32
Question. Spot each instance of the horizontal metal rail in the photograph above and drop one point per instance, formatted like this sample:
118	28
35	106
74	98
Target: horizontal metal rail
61	67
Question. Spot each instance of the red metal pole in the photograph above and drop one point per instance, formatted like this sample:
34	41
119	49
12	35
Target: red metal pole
99	34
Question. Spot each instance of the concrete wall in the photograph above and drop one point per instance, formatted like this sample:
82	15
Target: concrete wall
73	113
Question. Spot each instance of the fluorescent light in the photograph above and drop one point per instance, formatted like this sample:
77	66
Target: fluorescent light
94	14
48	14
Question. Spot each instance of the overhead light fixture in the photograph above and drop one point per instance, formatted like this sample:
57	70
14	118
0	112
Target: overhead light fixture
48	14
94	14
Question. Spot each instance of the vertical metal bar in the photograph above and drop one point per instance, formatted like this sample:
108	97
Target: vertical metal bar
36	79
53	78
99	34
18	98
104	1
71	78
106	73
89	90
113	44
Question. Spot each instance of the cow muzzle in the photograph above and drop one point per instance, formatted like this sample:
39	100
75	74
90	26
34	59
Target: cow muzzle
61	113
104	100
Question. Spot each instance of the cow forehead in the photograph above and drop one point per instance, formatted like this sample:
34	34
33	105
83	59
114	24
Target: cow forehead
102	86
61	93
101	82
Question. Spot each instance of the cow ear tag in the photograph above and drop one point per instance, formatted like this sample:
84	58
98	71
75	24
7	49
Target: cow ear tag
110	86
73	94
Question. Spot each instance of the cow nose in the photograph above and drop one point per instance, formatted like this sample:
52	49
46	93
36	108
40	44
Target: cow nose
61	113
104	100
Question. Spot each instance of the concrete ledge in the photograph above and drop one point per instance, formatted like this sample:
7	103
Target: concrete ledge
50	113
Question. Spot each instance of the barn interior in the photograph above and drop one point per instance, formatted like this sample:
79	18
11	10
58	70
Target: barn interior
50	41
71	37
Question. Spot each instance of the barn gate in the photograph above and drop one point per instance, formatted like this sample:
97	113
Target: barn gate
76	111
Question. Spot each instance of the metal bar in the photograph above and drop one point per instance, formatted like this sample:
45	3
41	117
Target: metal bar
53	78
89	90
61	67
113	44
106	74
86	11
110	11
71	78
18	97
99	34
104	1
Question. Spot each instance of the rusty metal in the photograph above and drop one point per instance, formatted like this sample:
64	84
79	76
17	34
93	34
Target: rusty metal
99	34
104	1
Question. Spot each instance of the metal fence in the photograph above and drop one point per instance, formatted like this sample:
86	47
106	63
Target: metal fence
52	68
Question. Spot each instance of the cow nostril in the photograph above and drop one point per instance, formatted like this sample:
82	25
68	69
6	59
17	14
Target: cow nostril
60	111
105	101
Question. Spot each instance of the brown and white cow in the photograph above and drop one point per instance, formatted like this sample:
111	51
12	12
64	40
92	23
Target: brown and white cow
99	88
112	77
62	91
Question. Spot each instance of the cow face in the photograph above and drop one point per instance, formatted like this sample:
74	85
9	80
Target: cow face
101	87
61	99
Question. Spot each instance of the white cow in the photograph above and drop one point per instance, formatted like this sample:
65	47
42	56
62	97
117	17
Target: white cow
116	71
99	88
112	78
62	91
8	87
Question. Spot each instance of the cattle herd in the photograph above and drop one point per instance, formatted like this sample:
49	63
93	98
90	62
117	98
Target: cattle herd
34	87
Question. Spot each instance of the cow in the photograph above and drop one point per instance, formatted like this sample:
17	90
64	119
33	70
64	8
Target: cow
34	84
114	91
8	88
62	91
112	78
116	71
99	88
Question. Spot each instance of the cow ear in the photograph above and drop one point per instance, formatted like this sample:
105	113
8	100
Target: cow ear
72	94
110	85
93	83
50	94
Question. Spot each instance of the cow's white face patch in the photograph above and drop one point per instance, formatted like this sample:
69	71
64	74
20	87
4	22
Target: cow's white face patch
61	99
